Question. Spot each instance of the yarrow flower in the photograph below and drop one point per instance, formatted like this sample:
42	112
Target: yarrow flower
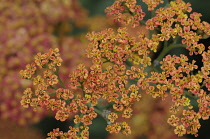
29	27
130	71
126	12
152	3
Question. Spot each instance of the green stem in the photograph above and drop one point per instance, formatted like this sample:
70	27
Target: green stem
52	87
203	84
167	49
175	39
165	44
154	68
52	94
150	33
77	125
142	22
100	113
106	61
59	79
189	95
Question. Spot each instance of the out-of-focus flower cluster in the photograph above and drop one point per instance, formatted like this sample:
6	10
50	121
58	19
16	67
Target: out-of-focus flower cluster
18	132
148	115
26	28
130	72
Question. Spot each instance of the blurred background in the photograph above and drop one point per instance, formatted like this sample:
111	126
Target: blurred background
31	26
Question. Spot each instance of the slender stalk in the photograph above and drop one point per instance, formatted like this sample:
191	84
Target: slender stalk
52	87
59	79
167	49
77	125
189	95
52	94
100	113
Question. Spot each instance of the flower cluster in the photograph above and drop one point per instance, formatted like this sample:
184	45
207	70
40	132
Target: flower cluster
122	69
73	133
28	27
152	4
173	21
51	61
126	12
148	115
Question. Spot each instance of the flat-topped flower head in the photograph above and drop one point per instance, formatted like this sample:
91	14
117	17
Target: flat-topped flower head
152	4
126	12
29	71
126	65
